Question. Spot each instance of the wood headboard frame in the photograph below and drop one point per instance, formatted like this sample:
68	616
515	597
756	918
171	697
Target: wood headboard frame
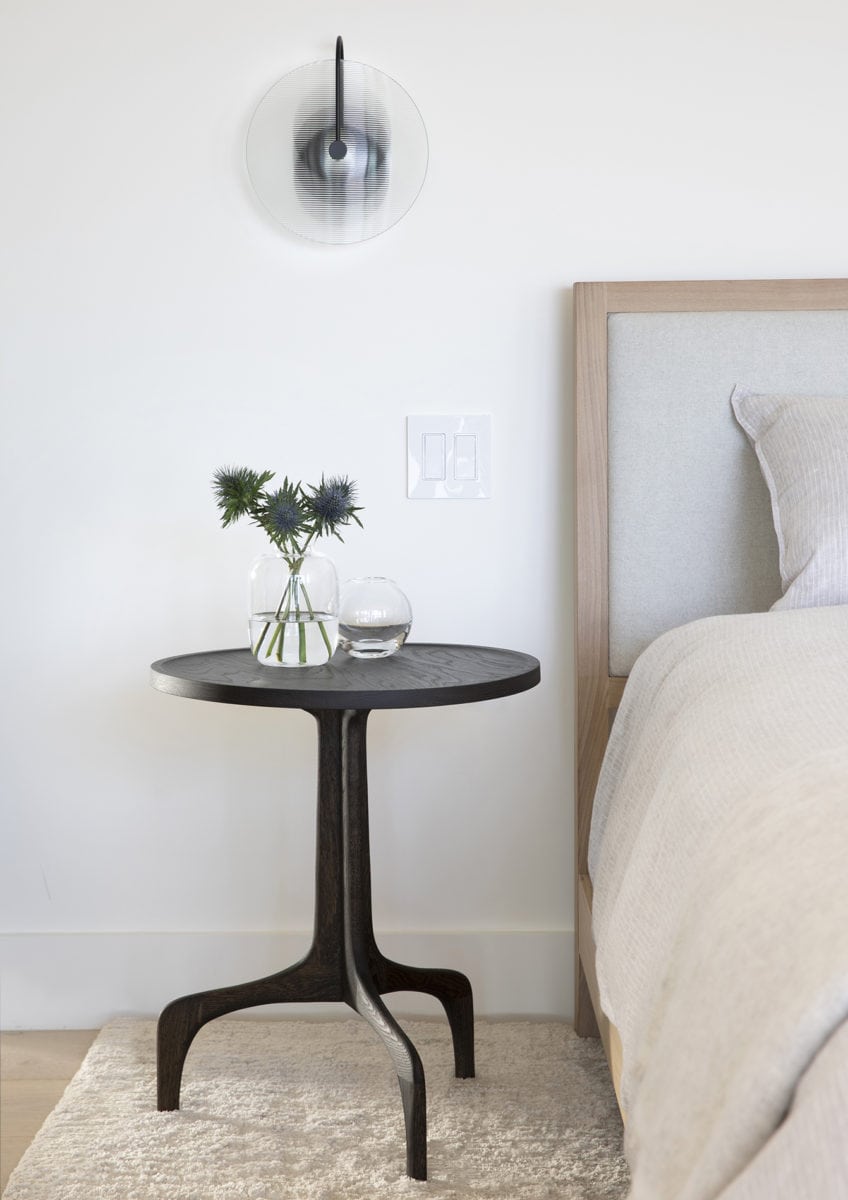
598	694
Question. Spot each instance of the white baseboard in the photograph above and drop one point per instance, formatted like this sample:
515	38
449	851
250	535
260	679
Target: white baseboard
82	980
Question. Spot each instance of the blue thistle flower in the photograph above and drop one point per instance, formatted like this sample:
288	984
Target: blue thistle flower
332	504
283	517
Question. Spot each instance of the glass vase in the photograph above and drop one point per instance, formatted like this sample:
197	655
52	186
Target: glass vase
294	610
374	617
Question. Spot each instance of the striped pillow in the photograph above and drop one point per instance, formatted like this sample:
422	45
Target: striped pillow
802	446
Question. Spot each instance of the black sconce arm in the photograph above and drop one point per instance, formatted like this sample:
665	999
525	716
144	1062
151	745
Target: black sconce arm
337	148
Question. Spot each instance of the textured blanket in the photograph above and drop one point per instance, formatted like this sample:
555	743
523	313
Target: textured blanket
719	860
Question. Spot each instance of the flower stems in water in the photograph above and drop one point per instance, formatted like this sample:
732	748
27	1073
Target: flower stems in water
293	589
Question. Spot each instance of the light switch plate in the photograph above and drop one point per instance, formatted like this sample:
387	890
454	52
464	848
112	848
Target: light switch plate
449	457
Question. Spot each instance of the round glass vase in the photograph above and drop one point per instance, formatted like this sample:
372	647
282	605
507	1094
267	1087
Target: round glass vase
374	617
294	610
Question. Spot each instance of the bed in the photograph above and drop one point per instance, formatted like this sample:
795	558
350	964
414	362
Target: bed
711	839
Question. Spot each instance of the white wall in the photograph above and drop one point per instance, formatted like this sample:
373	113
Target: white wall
156	324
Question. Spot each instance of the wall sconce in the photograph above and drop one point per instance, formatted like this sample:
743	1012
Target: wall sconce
337	151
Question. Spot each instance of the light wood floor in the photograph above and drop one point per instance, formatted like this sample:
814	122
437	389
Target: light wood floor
35	1068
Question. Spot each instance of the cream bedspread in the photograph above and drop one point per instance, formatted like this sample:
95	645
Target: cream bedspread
719	860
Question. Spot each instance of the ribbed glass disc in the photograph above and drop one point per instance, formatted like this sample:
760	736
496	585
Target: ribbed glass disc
322	196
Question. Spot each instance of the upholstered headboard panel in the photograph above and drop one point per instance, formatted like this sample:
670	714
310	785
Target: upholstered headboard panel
690	525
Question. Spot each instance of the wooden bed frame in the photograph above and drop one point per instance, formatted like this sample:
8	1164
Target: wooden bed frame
599	693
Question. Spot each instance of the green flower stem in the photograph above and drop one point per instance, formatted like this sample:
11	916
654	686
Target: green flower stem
320	625
267	625
276	636
326	639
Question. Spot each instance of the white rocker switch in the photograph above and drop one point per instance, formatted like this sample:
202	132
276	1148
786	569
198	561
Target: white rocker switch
434	457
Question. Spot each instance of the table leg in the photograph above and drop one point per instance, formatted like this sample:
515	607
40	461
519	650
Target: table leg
344	962
451	988
319	976
179	1022
362	991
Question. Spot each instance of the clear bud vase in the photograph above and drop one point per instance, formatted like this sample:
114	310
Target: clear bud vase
375	617
294	610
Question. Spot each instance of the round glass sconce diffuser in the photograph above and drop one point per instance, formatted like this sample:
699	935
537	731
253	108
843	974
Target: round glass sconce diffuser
337	151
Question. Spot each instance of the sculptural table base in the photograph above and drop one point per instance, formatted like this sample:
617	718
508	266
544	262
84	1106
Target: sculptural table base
343	962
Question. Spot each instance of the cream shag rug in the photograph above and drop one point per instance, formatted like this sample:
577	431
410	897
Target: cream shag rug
310	1110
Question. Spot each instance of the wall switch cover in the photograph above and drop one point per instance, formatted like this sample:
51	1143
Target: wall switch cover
449	457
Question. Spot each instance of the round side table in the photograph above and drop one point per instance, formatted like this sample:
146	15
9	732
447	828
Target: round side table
344	962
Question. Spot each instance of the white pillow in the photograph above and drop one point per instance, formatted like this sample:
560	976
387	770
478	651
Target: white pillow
802	446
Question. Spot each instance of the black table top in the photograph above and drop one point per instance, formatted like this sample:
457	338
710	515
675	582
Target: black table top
419	675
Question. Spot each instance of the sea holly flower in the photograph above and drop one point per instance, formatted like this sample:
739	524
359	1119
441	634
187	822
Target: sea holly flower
332	504
283	516
238	491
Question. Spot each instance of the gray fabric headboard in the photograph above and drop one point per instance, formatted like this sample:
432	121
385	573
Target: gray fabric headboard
690	526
